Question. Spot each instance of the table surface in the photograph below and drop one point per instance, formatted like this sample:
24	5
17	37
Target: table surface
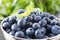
1	34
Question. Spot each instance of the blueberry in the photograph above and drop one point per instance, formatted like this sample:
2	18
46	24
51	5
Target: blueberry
12	19
21	11
21	22
29	24
42	14
47	15
37	10
12	33
52	17
51	35
47	19
8	30
54	22
36	26
55	29
20	34
37	18
15	27
43	22
38	14
29	31
29	18
39	33
6	25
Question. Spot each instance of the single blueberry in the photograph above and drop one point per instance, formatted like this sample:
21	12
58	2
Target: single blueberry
39	33
47	15
38	14
20	34
12	20
36	26
37	18
21	22
55	29
29	31
6	25
12	33
37	10
42	14
43	22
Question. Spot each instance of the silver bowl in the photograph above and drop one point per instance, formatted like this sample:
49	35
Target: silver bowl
10	37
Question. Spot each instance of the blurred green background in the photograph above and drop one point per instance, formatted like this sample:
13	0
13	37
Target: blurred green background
8	7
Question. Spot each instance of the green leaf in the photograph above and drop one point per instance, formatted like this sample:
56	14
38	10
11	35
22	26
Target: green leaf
29	9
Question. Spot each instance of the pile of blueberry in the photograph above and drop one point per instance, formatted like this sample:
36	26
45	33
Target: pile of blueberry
37	25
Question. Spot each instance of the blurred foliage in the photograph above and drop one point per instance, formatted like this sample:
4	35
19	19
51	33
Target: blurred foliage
8	7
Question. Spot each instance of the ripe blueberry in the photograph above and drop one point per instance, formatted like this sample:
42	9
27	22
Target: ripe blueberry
36	26
37	18
29	31
55	29
39	33
6	25
21	22
12	33
43	22
20	34
12	19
